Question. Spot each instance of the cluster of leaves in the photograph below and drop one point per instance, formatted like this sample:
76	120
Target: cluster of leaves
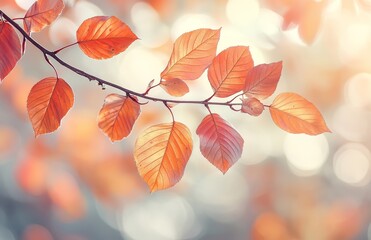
161	151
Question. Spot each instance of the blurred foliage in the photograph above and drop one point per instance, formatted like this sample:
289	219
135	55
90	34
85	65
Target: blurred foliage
76	185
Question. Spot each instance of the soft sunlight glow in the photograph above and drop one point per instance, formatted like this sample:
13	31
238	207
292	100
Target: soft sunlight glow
189	22
358	36
152	31
162	216
221	196
306	154
351	123
352	164
131	67
358	90
62	32
242	13
24	4
84	10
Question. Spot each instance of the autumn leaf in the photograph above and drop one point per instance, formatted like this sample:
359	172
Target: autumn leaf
161	153
227	72
48	102
117	116
103	37
307	15
41	14
175	87
10	49
295	114
220	143
192	54
292	16
310	21
252	106
261	81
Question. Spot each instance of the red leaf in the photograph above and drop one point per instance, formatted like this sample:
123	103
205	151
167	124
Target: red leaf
41	14
48	102
117	116
192	54
261	81
294	114
104	37
220	143
161	154
10	49
252	106
175	87
228	71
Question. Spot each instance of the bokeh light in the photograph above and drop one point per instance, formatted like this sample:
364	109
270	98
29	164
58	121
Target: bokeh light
149	28
75	184
352	164
351	123
161	217
219	197
24	4
63	32
306	154
358	91
242	13
190	22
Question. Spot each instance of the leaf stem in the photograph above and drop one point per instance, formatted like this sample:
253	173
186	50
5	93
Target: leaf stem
171	111
19	18
149	88
67	46
90	77
239	95
48	61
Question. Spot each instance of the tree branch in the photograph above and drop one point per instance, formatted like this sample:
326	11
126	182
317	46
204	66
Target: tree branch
53	54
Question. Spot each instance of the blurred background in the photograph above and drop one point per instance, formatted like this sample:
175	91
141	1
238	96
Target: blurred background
75	184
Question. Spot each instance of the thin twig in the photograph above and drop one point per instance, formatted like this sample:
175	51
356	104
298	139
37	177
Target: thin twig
100	81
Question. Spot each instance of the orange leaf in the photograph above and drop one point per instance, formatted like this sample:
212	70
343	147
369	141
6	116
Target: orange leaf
161	154
228	71
252	106
192	54
48	102
175	87
310	21
294	114
220	143
261	81
292	16
103	37
117	116
10	49
41	14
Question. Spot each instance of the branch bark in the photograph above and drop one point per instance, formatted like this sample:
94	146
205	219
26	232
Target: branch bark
53	54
